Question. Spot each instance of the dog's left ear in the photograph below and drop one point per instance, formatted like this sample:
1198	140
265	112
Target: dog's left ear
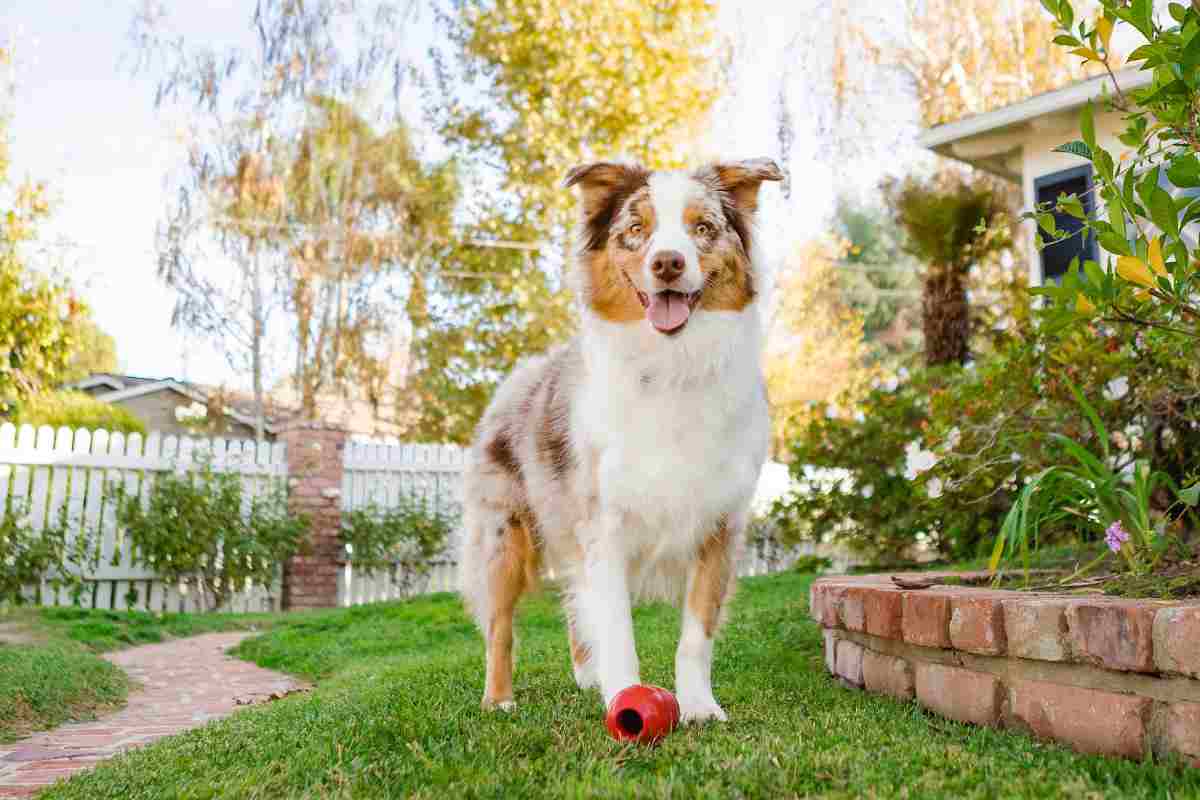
742	179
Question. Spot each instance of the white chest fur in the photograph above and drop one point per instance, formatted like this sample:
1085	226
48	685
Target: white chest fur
679	428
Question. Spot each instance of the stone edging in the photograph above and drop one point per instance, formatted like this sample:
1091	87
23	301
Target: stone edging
1104	675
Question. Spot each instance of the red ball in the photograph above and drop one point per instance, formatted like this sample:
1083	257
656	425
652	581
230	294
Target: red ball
642	714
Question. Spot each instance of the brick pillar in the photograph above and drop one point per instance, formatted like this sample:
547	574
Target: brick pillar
314	457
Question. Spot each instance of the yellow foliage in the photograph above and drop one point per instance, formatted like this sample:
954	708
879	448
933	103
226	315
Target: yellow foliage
1156	257
1134	270
971	56
584	81
816	350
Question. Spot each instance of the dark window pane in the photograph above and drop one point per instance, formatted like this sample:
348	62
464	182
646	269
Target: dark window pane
1057	257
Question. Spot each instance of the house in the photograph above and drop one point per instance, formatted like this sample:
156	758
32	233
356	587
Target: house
1017	143
172	406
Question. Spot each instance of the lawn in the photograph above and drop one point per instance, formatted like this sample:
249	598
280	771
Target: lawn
50	670
396	713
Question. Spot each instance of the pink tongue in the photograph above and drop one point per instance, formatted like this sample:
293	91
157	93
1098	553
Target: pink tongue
668	311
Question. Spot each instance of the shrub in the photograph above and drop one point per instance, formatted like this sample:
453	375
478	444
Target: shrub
401	539
938	459
54	557
75	410
198	528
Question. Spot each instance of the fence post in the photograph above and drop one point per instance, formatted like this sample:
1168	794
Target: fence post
315	453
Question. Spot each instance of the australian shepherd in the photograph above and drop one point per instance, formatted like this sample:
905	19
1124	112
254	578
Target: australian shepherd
625	461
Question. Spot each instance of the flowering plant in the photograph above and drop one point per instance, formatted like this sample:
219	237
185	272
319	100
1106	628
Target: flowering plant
1092	489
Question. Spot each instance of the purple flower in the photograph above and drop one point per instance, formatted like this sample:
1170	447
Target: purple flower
1116	536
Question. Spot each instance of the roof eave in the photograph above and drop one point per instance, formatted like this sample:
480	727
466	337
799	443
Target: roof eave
1059	100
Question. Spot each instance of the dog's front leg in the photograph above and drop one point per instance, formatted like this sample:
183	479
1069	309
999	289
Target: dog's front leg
710	581
604	612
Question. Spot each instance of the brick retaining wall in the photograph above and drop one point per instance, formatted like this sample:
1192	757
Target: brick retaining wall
1104	675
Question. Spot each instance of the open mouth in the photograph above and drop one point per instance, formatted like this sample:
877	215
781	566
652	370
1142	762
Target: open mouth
668	311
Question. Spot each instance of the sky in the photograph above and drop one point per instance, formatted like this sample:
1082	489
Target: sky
86	125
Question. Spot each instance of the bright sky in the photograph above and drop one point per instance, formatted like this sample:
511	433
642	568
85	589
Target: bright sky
83	124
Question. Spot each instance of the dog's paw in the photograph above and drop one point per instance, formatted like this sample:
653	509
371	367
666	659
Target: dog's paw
693	711
585	676
498	705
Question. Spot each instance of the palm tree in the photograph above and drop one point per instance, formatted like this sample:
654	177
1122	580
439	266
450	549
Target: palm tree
950	223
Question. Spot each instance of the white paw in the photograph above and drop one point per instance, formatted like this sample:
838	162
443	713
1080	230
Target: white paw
503	705
585	676
693	711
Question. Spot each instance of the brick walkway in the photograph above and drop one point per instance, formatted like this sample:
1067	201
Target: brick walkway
182	685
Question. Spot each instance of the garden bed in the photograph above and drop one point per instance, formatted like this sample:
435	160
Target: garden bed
1102	674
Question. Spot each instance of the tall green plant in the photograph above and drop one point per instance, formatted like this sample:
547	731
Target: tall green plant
1151	277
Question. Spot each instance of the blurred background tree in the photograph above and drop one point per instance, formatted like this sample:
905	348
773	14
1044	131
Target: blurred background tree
544	94
966	57
39	314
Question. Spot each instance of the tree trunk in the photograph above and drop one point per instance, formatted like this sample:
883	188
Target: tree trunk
946	317
256	365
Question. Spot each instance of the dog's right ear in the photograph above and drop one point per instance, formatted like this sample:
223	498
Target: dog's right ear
599	182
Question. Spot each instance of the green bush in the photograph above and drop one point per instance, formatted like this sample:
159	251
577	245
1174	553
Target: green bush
192	530
401	539
52	557
75	410
938	459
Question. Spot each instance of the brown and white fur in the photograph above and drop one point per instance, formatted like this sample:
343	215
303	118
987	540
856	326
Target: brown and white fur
625	461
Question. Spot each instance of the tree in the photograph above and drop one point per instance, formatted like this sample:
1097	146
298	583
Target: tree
951	223
94	351
545	93
362	207
249	105
966	57
38	314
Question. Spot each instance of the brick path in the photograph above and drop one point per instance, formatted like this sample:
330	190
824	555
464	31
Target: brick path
183	684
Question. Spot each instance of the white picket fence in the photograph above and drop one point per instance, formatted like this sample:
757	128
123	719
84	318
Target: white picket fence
47	473
379	475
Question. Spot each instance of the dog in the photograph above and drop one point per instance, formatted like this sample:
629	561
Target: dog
624	462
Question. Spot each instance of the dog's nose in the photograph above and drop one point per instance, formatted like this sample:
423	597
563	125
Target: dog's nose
667	265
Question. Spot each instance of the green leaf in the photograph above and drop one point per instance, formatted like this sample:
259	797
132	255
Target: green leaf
1178	12
1067	41
1070	204
1092	416
1114	243
1045	221
1116	217
1191	495
1087	126
1162	211
1184	171
1076	148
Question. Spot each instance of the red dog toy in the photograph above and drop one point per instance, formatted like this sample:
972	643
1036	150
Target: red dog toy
642	714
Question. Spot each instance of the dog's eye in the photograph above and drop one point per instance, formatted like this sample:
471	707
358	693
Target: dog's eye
703	229
635	229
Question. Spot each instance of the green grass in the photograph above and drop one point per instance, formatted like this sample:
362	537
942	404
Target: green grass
48	683
396	714
50	672
104	631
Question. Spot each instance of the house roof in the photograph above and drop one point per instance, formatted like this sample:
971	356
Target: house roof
125	387
943	138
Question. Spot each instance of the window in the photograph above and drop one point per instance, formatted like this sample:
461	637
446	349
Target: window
1056	257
